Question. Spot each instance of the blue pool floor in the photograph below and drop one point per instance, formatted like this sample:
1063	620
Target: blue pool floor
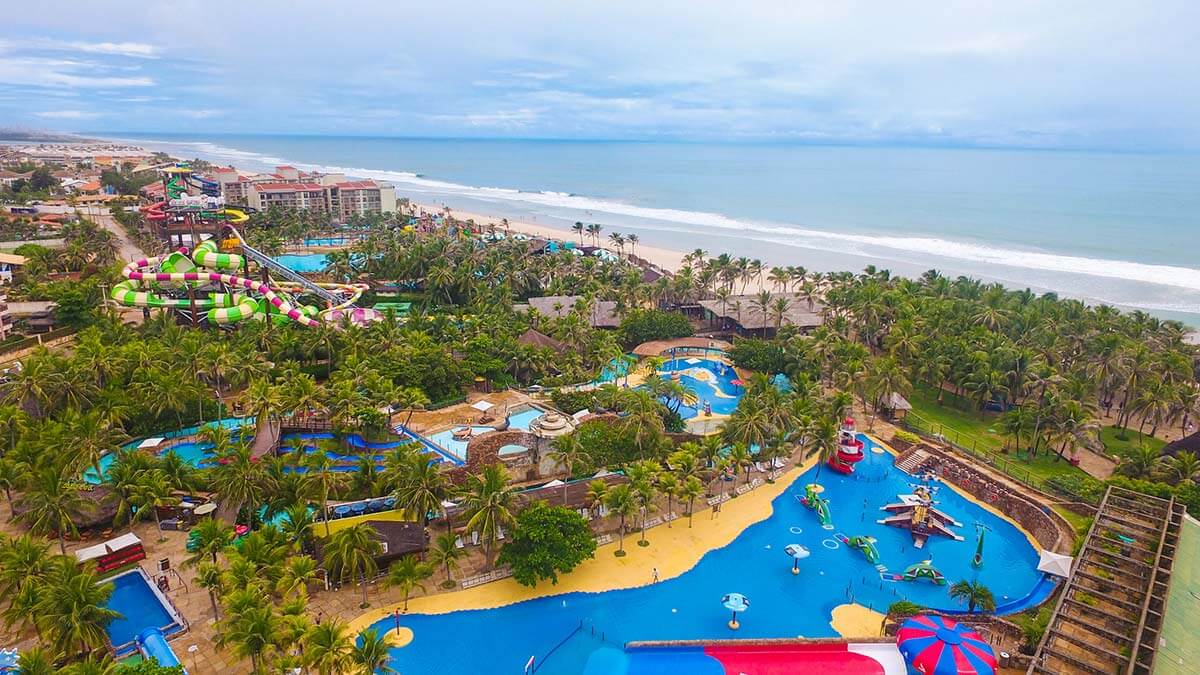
755	564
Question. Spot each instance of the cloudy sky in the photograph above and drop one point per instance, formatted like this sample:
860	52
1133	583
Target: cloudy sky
1096	74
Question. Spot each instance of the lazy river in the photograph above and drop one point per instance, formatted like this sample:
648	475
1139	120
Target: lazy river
783	605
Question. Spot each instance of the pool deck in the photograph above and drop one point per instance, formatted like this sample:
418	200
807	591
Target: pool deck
673	550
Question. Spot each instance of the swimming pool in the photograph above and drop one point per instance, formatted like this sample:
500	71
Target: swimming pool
303	262
688	606
231	423
710	380
141	606
522	418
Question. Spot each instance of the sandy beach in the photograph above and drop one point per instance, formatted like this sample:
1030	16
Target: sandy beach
667	259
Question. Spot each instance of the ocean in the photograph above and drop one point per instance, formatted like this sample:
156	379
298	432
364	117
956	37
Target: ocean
1115	228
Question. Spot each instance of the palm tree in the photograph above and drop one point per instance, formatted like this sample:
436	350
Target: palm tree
620	502
1183	467
407	573
422	488
73	615
350	553
669	485
323	480
298	572
211	536
692	490
210	577
329	648
51	500
823	438
488	501
975	594
445	554
240	480
371	653
570	454
597	491
578	228
153	492
253	632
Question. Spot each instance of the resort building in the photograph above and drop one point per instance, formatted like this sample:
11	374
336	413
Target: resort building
744	314
347	198
600	313
5	317
288	196
7	178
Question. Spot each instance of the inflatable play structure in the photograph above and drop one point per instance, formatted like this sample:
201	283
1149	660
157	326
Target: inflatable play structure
849	450
865	545
915	513
924	570
812	499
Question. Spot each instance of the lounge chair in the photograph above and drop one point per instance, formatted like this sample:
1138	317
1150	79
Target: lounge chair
458	543
474	538
500	534
759	467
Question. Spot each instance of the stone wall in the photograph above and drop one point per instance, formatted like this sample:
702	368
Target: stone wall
1038	520
484	449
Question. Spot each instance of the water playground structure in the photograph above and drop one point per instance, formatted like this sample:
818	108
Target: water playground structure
923	570
864	544
849	449
217	287
211	277
915	513
812	499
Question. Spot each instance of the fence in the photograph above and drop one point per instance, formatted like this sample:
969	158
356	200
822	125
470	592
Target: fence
22	348
986	452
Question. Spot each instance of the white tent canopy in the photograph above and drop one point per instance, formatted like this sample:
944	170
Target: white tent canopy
483	406
1055	563
554	483
150	443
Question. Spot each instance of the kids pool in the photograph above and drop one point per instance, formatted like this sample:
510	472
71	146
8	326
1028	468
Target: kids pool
755	564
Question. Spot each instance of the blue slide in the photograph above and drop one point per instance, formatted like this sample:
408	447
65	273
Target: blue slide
153	645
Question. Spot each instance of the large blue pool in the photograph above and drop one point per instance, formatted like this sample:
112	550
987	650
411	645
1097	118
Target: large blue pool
710	380
303	262
140	608
688	607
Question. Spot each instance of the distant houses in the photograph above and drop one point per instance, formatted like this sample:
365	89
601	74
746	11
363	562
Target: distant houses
744	314
599	313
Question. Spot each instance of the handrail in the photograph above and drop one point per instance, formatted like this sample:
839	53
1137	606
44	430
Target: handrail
282	270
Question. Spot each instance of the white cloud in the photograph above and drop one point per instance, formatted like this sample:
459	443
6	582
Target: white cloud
68	114
139	50
39	71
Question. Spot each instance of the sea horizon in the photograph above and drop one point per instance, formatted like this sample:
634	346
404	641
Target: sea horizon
1104	226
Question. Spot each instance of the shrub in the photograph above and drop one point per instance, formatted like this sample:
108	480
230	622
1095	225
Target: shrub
643	325
907	437
764	356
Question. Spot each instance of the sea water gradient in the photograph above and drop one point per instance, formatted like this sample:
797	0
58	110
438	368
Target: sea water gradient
1104	227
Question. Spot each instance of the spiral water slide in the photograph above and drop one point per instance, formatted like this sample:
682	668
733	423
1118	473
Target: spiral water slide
222	308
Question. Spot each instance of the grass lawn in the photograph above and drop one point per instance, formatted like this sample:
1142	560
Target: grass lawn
1080	523
964	426
1133	439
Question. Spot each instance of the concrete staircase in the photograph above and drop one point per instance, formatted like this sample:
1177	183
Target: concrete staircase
909	461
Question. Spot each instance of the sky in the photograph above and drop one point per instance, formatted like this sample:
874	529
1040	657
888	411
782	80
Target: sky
1020	73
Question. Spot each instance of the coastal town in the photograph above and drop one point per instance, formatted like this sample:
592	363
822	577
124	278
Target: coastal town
290	421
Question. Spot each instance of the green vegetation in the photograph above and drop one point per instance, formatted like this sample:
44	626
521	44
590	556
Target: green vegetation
1124	442
644	325
547	541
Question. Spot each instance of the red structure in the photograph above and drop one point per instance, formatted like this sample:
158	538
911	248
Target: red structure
849	450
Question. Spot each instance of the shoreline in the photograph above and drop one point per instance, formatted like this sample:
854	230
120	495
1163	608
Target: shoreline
664	258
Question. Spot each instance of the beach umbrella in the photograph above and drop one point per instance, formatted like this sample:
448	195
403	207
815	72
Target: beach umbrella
735	602
798	553
935	645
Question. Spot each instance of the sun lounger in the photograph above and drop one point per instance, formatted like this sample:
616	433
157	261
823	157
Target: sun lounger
474	538
500	534
759	467
458	543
